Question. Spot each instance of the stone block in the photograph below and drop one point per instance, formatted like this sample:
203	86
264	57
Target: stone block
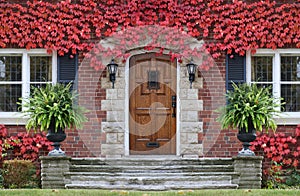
106	83
198	83
250	169
113	156
111	138
112	149
242	167
190	156
183	138
191	149
115	116
189	116
121	72
53	171
191	105
188	94
196	127
113	127
120	138
115	138
188	138
115	94
112	105
183	72
184	83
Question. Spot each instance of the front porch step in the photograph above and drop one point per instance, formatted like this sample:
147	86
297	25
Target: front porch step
136	161
152	187
146	168
151	174
149	180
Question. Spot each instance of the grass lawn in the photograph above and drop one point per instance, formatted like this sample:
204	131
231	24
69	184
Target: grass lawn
59	192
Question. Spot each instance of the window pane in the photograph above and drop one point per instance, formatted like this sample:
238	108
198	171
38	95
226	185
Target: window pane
290	68
9	96
262	67
10	68
291	96
40	68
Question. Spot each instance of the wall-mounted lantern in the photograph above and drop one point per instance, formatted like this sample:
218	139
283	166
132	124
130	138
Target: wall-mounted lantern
191	67
112	69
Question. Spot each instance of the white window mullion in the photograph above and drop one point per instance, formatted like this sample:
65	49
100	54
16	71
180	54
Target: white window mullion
248	67
25	75
54	67
276	77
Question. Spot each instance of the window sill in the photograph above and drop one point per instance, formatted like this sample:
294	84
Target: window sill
12	118
288	118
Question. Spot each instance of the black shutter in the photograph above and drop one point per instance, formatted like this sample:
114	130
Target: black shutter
235	70
67	69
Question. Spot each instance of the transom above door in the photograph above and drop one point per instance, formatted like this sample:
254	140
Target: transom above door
152	105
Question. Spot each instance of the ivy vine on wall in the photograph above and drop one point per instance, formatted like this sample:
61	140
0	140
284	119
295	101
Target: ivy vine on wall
226	26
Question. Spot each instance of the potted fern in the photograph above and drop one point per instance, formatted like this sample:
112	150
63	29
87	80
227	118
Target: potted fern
53	108
249	108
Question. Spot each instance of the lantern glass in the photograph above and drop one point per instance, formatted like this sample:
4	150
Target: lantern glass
112	67
191	67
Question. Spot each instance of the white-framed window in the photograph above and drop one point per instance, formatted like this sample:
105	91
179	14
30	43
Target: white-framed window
279	69
19	70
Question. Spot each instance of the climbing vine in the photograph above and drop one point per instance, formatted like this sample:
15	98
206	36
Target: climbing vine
231	26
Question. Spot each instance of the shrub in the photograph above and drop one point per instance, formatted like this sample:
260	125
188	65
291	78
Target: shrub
19	174
293	178
283	152
3	135
26	146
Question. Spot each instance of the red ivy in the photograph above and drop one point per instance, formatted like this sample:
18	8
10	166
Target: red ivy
24	145
280	148
237	26
3	134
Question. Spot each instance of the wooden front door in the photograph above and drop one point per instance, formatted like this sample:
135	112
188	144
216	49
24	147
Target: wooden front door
152	105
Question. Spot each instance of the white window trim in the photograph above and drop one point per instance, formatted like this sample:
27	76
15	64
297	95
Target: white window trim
286	118
17	118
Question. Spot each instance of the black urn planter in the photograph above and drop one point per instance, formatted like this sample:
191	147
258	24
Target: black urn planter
247	137
56	136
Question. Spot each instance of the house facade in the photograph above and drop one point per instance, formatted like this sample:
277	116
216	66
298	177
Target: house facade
152	109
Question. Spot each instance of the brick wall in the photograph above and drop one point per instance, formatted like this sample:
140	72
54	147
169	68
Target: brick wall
216	142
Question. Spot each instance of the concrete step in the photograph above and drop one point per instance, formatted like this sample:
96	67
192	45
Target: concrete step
152	162
148	173
158	173
152	187
149	169
154	180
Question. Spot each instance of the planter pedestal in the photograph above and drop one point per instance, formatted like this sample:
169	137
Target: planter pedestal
57	151
246	138
56	137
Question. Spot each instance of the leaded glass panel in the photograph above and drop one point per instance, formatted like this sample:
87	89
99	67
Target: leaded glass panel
10	68
9	96
262	68
291	97
40	68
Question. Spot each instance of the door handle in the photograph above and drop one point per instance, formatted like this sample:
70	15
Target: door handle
174	106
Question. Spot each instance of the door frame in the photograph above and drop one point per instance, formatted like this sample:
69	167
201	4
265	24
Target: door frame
127	113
